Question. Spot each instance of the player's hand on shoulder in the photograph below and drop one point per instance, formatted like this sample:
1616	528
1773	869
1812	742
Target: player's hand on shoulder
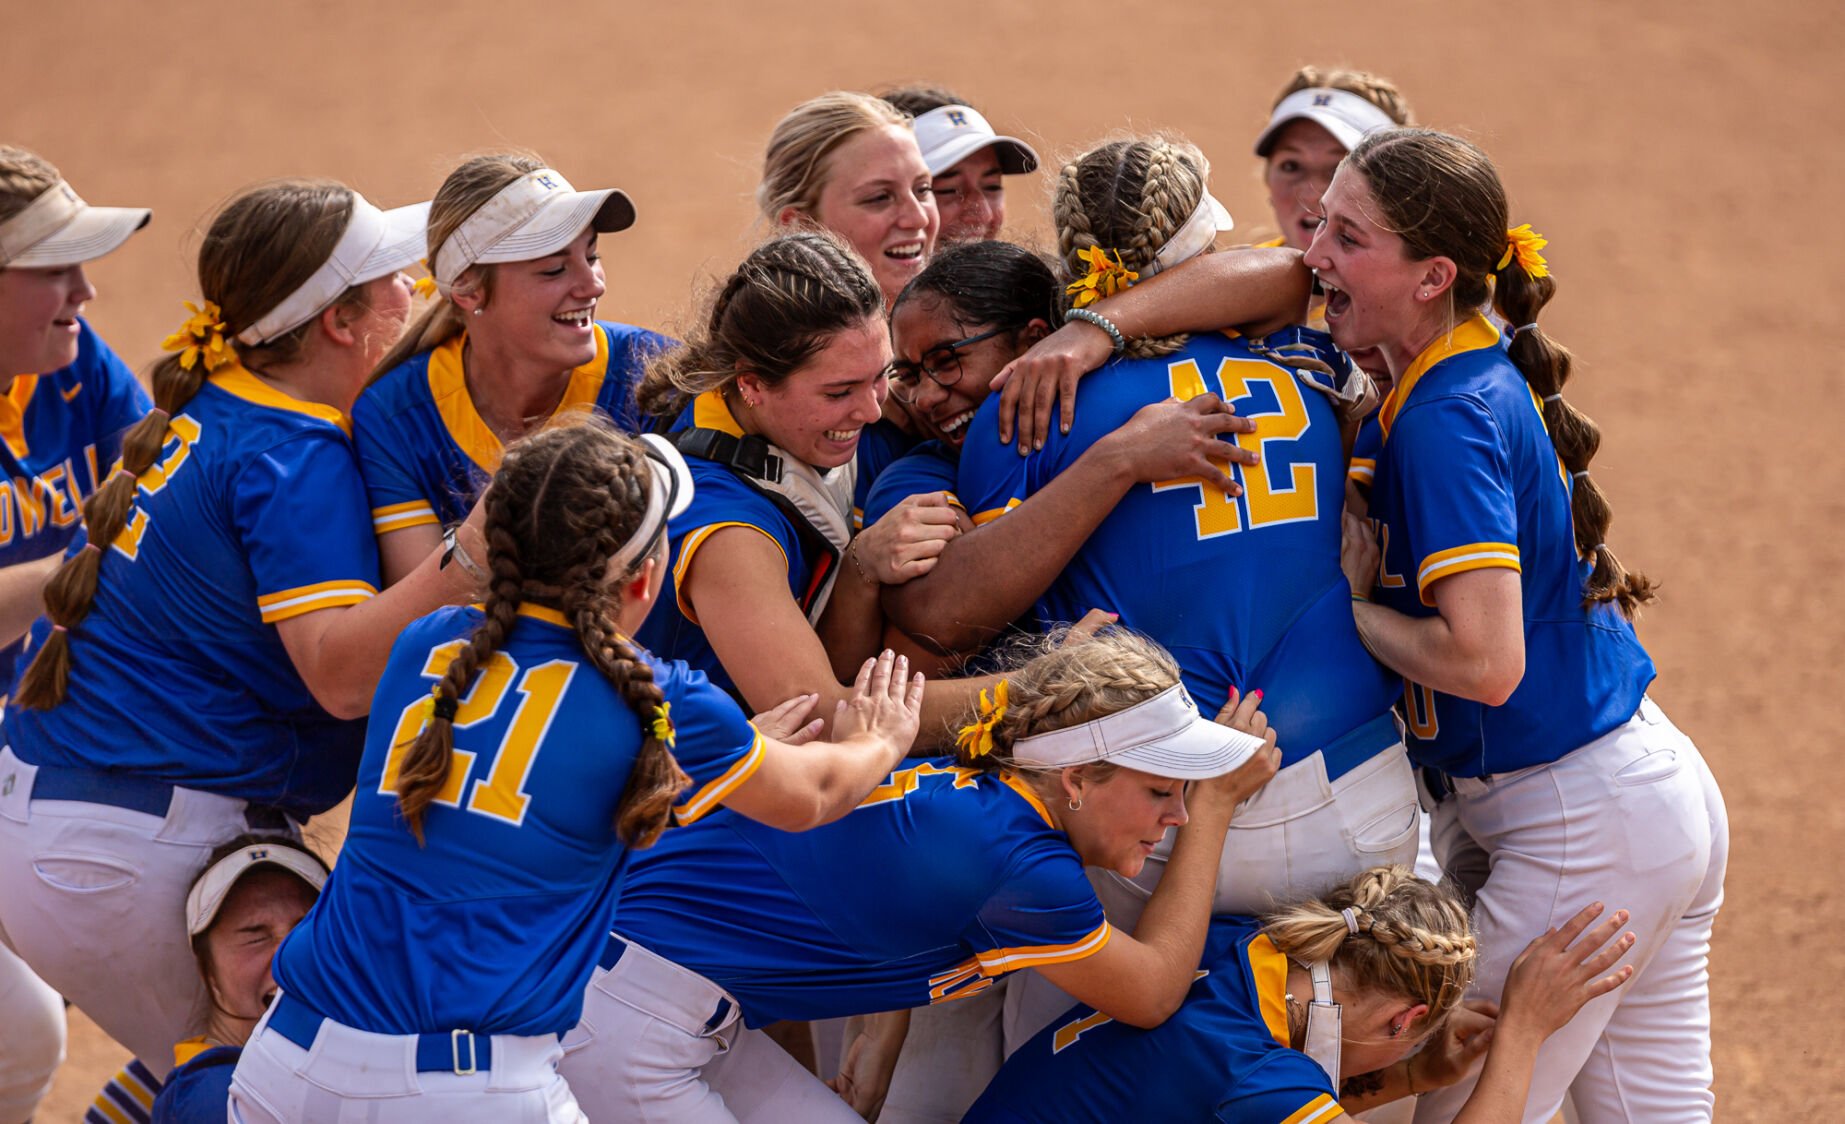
1457	1048
790	723
1556	974
1045	378
1174	440
886	703
909	540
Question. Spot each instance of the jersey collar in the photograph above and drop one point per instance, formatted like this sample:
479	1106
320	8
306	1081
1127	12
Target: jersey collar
1471	335
1017	784
1268	969
710	411
237	380
448	386
13	413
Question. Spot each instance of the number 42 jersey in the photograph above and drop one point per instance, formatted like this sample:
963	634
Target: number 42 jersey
1244	591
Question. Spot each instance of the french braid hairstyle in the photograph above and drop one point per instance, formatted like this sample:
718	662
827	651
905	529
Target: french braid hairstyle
1128	197
467	188
563	502
983	284
1054	682
1374	88
1414	939
1443	197
916	100
263	246
774	313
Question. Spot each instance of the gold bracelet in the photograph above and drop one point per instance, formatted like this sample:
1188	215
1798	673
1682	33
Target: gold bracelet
868	579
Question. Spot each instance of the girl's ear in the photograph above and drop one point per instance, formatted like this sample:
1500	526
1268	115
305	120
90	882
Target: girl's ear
1437	278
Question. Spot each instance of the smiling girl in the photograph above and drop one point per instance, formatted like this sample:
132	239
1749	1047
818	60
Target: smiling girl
511	342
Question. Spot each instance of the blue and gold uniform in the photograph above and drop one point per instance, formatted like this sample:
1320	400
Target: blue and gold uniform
1223	1056
495	922
932	466
942	880
721	499
1467	478
880	445
62	431
178	673
1244	592
426	453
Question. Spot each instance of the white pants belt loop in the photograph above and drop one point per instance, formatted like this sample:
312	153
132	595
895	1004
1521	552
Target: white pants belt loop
672	994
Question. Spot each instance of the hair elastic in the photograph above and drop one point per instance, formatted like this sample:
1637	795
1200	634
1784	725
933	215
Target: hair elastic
1351	920
447	707
1557	397
91	546
59	628
1531	327
1579	473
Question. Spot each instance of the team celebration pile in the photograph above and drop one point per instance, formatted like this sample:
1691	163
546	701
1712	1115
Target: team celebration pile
1141	681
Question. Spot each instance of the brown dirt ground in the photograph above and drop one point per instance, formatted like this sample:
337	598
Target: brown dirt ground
1636	137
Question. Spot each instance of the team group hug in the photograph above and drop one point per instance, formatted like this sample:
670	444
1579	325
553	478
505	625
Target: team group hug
957	680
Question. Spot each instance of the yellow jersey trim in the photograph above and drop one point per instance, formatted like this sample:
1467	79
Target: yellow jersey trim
1362	468
1269	967
188	1049
1459	559
696	539
286	603
999	961
982	518
1317	1111
543	613
448	388
1274	243
398	516
237	380
713	794
1472	335
1017	784
13	412
710	411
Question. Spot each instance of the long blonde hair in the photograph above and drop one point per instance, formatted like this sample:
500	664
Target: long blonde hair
795	167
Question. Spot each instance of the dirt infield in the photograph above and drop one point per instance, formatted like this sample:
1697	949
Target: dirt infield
1654	146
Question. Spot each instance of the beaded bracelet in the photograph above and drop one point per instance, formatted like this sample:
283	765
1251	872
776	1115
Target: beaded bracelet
1090	316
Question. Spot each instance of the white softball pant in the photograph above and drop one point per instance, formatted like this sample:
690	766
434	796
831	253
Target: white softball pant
661	1044
348	1076
93	898
31	1038
1633	819
1296	838
951	1054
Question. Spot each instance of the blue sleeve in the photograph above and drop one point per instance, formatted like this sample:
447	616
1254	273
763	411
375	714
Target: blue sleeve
299	510
394	496
916	473
1044	912
722	501
199	1091
630	350
1460	506
713	740
1287	1087
993	479
1365	448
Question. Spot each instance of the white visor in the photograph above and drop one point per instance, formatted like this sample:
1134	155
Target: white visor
58	229
209	892
1345	115
669	493
376	244
950	134
537	214
1164	736
1195	235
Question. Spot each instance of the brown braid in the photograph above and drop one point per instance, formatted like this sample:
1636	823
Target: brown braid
775	312
1414	939
1443	197
1128	197
1377	90
261	247
562	504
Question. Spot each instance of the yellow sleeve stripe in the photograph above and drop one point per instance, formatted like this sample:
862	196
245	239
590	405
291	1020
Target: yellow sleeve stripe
397	516
1320	1108
1363	468
696	539
982	518
108	1111
288	603
1473	556
1002	960
954	500
713	794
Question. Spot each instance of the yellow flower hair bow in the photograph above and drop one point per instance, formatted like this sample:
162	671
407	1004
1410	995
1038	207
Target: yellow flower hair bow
662	727
1104	279
977	738
426	286
1523	243
201	337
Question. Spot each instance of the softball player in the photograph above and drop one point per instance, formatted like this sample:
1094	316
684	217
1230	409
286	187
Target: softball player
54	444
519	750
513	249
1078	757
210	637
1498	600
967	161
1265	562
1385	959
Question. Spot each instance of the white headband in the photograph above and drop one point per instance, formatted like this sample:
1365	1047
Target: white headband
58	228
537	214
1165	736
1194	236
375	244
1347	116
208	893
669	492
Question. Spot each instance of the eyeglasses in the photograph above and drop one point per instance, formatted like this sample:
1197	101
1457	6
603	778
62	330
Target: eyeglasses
942	365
